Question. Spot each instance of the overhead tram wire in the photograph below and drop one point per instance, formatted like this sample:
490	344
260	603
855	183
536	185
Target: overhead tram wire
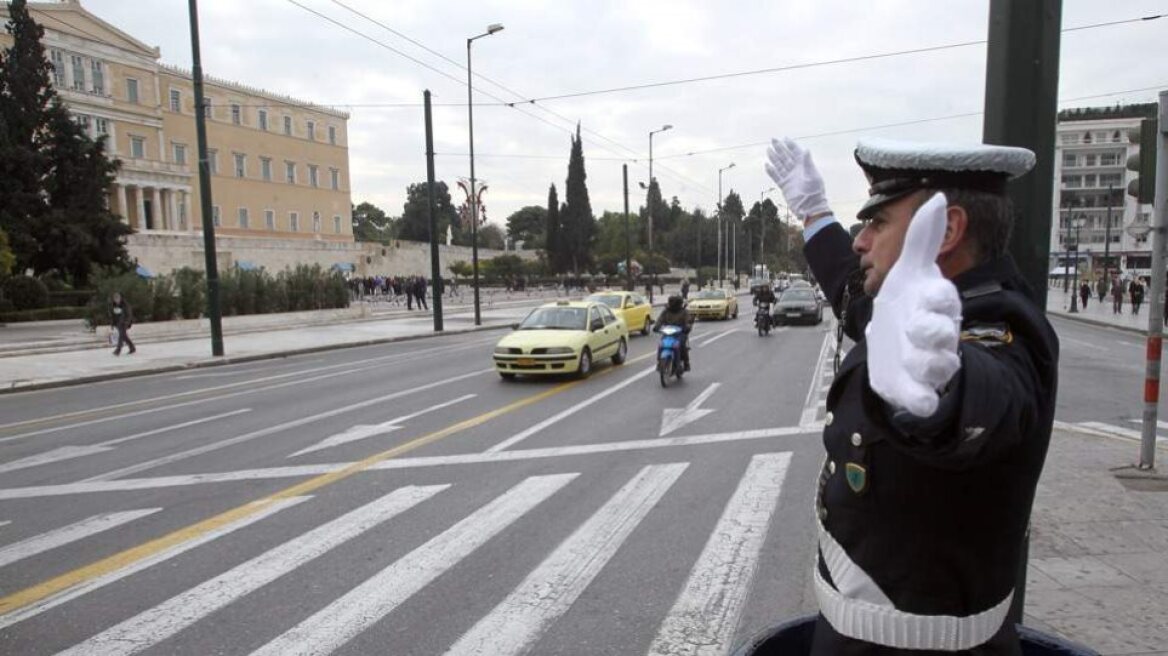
637	157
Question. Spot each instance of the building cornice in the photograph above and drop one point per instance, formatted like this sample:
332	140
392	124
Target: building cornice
255	91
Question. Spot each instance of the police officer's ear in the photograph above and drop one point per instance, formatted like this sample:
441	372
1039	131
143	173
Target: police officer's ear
956	226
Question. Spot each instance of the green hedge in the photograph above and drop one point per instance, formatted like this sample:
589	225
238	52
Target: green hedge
25	292
44	314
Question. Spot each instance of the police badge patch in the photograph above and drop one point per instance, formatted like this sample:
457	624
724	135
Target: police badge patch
856	476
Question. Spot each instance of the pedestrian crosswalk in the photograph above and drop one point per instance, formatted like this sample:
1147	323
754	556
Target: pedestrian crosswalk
702	618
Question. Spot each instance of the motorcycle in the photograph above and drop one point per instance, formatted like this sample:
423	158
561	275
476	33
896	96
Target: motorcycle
669	364
762	319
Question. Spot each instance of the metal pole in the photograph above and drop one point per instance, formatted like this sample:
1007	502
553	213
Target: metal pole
1075	286
649	203
719	227
205	187
474	213
1156	307
628	237
1107	240
761	230
734	259
432	214
698	270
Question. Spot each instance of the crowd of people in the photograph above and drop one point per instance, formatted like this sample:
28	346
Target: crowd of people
393	288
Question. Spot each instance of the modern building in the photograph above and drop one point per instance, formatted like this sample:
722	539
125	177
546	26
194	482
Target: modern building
279	166
1099	228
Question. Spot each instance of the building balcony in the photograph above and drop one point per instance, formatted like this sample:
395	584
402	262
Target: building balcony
154	166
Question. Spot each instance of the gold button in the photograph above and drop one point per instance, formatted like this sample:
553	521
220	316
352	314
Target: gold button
857	440
831	466
828	419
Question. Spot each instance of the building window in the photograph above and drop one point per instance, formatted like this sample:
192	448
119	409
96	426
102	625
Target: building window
1115	137
240	165
335	178
333	134
101	125
78	72
213	161
266	168
131	90
1068	160
288	125
236	114
1110	179
180	154
311	131
215	218
312	181
1069	138
290	172
58	67
82	122
98	75
208	104
138	147
1090	160
175	100
263	116
337	224
316	222
270	219
1109	159
243	218
294	221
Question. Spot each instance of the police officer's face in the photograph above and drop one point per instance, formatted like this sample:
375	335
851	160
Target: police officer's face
879	243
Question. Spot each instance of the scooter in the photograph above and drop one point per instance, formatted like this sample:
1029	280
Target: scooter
762	319
669	364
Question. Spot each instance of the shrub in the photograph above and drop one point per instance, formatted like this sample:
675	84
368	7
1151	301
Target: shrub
165	301
191	299
136	290
26	293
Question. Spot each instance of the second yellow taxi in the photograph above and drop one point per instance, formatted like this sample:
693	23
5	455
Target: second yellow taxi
714	304
630	306
563	337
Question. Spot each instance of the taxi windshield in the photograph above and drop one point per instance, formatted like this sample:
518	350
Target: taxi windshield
711	293
555	318
611	300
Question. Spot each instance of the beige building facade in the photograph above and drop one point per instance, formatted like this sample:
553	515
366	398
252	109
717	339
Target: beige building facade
279	166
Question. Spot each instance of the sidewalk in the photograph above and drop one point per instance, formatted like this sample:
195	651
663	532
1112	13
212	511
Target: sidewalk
1098	570
1059	303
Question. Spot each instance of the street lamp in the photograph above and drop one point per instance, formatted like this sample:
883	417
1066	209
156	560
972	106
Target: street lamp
762	226
649	203
721	259
474	213
1078	223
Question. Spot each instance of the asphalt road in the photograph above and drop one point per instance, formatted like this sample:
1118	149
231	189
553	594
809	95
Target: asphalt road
403	499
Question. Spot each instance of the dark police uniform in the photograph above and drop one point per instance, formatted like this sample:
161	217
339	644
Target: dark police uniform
925	517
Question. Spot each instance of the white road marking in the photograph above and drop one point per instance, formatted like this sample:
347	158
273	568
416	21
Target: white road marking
716	338
552	587
231	441
811	404
675	418
1159	424
173	615
92	584
376	597
1082	343
303	471
5	522
71	452
704	617
1119	430
567	412
58	537
363	431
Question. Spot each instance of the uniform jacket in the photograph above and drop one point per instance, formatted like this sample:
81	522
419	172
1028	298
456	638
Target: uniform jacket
935	510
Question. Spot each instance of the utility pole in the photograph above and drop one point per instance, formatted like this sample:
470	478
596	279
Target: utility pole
628	237
1107	242
205	187
432	215
1156	307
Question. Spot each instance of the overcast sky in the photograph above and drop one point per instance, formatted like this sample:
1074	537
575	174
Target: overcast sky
568	46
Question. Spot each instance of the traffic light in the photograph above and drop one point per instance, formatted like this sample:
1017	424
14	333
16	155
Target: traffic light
1143	187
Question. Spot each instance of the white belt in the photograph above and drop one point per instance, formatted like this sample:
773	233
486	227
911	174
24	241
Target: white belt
867	615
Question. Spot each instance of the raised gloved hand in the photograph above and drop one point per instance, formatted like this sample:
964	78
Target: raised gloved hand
916	320
790	166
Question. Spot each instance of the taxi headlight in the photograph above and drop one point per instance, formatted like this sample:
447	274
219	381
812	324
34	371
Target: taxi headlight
502	350
559	350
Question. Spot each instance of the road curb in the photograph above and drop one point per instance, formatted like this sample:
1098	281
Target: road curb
202	364
1098	322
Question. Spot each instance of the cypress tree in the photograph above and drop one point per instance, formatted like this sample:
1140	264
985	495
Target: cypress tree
552	242
578	222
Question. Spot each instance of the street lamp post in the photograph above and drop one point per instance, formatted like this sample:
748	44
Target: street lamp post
651	262
474	213
1107	243
721	259
762	226
1078	224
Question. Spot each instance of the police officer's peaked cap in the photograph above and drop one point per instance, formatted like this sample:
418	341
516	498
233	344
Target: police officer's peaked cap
897	168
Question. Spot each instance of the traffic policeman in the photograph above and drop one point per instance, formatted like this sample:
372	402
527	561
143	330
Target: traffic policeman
939	417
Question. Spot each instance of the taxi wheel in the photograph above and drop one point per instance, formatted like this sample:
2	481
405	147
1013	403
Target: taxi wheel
622	352
735	311
585	368
506	376
648	326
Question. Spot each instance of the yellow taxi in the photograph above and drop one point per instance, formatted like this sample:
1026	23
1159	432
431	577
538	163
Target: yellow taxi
630	306
714	304
563	337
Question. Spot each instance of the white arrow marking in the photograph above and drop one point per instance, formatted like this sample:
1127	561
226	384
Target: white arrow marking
362	431
675	418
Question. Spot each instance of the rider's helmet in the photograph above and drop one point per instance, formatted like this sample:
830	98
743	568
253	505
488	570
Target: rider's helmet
674	303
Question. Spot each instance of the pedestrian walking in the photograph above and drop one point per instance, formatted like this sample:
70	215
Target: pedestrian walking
1136	292
939	417
420	292
1116	296
122	320
1084	294
1101	289
684	289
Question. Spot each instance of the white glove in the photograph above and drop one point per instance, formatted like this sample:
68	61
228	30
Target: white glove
791	168
916	320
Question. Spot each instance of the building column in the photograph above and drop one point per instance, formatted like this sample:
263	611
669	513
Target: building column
140	200
123	208
156	208
172	208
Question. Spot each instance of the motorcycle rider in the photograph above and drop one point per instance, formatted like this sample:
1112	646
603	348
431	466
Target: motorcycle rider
764	297
675	314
